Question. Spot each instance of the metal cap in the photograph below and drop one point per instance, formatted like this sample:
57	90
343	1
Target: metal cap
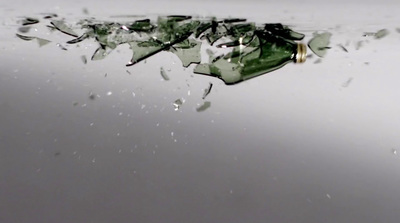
301	54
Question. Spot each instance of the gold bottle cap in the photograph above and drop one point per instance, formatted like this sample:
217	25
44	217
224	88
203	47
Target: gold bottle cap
301	54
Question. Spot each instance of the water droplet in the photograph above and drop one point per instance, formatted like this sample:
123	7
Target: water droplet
394	151
93	160
109	93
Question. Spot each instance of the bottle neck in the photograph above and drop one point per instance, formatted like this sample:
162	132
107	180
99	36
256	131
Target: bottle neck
301	54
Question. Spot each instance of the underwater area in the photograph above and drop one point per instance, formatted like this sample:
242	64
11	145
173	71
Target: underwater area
199	111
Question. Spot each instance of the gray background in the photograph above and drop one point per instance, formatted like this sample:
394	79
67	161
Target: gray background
315	142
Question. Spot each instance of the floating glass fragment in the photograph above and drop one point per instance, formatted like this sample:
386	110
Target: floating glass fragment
381	33
24	29
320	43
61	26
100	53
343	48
348	82
164	74
207	90
61	46
50	15
29	21
204	106
83	58
40	41
177	104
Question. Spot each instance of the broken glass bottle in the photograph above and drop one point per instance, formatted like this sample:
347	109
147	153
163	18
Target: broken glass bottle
243	49
255	51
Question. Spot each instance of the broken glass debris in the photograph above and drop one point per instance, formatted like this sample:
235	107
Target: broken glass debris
49	15
378	35
244	49
348	82
83	58
61	46
381	33
320	43
177	104
24	29
40	41
343	48
61	26
164	74
204	106
29	21
207	90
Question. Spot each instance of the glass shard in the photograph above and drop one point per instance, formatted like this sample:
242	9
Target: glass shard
27	38
204	106
142	52
24	29
40	41
61	26
79	39
61	47
348	82
343	48
29	21
284	31
189	53
100	53
164	74
84	59
177	104
207	90
381	33
320	43
50	15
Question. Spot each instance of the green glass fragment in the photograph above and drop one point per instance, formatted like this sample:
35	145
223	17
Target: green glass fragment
164	74
381	33
29	21
101	53
177	104
188	53
40	41
320	43
207	91
204	106
61	26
